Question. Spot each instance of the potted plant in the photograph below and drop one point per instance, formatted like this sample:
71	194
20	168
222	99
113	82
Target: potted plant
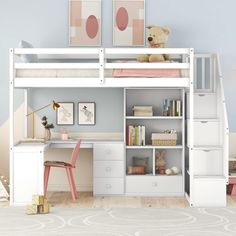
48	127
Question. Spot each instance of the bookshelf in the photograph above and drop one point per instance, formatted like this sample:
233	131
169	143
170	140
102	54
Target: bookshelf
159	184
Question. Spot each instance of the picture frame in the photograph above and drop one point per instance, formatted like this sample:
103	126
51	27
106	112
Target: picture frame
85	23
129	23
65	113
86	113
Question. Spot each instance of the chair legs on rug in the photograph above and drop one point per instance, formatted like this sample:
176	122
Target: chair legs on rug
46	176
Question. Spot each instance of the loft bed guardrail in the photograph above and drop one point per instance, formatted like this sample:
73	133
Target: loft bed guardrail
100	67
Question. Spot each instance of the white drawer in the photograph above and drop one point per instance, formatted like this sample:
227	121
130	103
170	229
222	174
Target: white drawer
108	151
209	193
208	162
106	186
108	169
154	184
206	132
204	106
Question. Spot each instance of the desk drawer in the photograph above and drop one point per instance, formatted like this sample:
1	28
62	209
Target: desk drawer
108	151
108	169
162	185
108	186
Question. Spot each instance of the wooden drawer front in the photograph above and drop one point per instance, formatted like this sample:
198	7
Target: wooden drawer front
206	133
108	186
204	106
108	169
209	193
208	162
154	184
103	152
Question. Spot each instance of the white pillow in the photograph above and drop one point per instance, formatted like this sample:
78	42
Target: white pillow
33	58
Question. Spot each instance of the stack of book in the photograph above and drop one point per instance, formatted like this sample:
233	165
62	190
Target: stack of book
143	110
172	107
135	135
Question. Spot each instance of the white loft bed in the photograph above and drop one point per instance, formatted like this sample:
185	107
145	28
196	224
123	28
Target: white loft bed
96	67
64	68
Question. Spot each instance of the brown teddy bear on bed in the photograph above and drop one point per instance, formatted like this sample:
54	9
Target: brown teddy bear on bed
157	38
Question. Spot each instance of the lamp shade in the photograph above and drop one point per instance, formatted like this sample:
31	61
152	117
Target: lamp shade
55	105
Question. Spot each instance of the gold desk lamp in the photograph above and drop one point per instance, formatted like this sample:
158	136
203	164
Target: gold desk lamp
54	105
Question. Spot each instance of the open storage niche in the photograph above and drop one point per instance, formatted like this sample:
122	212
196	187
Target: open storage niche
140	153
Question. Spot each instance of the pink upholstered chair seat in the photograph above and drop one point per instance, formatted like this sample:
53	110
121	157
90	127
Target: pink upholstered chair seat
68	167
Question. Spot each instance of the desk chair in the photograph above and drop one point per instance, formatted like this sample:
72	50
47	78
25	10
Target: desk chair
67	166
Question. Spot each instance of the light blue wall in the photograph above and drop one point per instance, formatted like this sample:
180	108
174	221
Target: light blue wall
206	25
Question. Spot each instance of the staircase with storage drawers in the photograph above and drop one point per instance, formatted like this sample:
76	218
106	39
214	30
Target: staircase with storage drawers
206	162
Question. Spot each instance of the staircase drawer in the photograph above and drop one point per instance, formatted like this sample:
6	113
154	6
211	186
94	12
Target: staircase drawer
108	151
208	162
108	169
209	192
204	106
206	133
108	186
162	185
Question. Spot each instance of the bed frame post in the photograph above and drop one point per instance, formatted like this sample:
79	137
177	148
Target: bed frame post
11	119
101	67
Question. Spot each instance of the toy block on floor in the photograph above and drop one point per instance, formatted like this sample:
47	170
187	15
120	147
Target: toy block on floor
37	200
38	206
44	209
32	210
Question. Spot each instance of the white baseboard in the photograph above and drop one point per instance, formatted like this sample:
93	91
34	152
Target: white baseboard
66	187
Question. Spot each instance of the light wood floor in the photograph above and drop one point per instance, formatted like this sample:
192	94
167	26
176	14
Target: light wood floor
87	200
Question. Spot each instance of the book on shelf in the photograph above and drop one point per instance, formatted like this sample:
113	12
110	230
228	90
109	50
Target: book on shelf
172	107
135	135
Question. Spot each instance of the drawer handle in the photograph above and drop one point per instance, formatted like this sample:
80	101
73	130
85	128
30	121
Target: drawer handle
154	184
201	95
108	151
206	150
204	121
108	186
108	169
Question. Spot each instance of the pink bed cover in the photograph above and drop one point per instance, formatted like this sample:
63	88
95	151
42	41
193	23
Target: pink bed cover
146	73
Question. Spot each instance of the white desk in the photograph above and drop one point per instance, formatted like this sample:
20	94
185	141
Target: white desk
27	167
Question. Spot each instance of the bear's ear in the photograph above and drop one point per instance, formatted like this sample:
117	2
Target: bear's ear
166	30
150	26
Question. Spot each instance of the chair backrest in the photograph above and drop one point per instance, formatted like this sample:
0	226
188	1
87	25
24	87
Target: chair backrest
75	153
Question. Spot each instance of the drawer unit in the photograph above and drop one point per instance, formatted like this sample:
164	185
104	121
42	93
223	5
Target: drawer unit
206	132
156	185
208	162
108	186
204	106
107	169
209	192
108	151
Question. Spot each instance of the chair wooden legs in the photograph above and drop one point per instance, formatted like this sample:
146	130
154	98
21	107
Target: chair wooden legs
46	176
72	183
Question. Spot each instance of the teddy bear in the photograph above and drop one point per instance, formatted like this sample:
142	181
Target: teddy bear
160	162
157	38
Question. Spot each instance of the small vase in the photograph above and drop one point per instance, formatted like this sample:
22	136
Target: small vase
47	134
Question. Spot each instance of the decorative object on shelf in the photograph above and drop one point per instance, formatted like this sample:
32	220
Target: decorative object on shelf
4	188
65	113
172	107
157	37
85	22
160	162
139	166
136	170
128	22
86	113
142	110
54	106
172	171
38	206
135	135
167	138
47	128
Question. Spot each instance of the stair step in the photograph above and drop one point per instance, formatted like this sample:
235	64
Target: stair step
207	147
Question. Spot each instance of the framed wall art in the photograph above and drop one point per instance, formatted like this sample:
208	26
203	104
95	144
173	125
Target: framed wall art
65	113
84	22
86	113
128	22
